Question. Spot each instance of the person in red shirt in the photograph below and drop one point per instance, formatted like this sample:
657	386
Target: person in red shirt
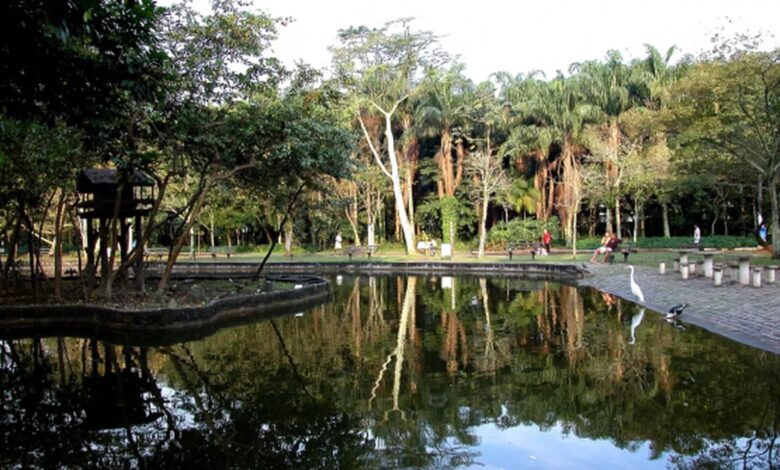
547	240
609	244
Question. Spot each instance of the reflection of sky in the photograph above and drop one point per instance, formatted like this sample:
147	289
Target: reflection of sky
528	447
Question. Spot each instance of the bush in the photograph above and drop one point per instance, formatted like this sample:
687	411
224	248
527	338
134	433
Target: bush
522	230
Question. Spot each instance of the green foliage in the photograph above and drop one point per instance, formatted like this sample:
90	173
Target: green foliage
521	230
449	218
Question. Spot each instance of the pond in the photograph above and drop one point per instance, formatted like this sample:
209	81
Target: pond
402	372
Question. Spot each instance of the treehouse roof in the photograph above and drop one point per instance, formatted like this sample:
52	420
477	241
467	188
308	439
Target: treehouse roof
101	180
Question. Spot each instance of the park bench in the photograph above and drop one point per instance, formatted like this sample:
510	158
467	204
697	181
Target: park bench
532	248
158	253
368	250
427	247
625	251
215	250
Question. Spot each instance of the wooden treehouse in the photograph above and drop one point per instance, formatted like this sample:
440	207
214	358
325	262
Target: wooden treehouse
107	194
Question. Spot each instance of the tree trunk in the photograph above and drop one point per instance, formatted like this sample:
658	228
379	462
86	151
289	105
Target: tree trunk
58	224
665	220
482	225
407	227
772	186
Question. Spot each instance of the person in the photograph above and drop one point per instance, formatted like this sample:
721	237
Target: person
610	243
547	240
762	232
697	237
337	245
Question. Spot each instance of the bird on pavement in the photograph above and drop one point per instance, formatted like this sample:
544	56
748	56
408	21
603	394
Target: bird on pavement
675	311
635	289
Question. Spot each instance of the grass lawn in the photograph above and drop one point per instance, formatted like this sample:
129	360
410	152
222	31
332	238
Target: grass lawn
650	258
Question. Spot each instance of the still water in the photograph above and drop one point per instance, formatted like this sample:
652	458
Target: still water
402	372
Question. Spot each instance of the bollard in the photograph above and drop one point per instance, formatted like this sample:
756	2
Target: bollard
676	264
708	265
756	278
717	276
692	268
733	273
684	270
744	270
662	268
770	274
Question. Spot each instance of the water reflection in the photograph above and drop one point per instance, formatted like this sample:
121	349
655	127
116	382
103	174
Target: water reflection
410	372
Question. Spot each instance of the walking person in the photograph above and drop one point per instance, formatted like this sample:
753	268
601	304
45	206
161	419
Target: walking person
337	244
697	237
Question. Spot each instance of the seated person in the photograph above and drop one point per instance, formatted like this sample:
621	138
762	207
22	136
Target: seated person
609	244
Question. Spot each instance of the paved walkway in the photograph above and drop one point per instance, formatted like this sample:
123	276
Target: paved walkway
746	314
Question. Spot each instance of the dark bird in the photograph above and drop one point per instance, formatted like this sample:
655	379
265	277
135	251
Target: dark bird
675	311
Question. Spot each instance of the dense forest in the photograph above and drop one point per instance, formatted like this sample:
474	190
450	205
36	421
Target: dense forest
392	144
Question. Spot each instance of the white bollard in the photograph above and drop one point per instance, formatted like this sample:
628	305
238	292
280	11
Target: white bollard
662	268
734	273
676	264
684	270
756	279
770	274
708	265
744	270
692	268
717	276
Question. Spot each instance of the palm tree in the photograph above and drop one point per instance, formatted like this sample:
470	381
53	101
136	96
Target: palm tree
521	196
608	86
443	108
562	108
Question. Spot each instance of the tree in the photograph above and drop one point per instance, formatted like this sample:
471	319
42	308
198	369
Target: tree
732	105
607	86
443	112
488	179
380	68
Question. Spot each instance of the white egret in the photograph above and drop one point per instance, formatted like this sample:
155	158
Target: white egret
635	289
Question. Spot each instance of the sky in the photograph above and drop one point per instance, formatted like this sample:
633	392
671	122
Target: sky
521	36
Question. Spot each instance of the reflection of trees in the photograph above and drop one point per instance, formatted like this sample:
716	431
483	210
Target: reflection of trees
294	393
75	420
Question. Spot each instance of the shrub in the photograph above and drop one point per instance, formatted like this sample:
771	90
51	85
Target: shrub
522	230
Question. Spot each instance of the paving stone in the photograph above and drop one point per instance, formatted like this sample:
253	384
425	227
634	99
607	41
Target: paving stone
746	314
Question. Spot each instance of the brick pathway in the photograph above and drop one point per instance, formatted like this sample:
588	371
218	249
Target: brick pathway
746	314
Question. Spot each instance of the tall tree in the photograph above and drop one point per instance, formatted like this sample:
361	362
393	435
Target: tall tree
607	86
731	104
380	66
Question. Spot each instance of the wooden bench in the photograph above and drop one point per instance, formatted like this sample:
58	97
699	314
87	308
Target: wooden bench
427	247
368	250
520	246
625	251
155	252
228	250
